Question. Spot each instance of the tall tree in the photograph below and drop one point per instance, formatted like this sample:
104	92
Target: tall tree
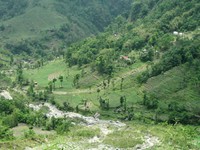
76	80
50	86
54	83
19	77
61	80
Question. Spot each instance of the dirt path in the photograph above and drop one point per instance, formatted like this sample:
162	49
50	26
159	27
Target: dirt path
75	92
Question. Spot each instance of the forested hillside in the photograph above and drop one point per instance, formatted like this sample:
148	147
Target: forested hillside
99	74
49	25
162	34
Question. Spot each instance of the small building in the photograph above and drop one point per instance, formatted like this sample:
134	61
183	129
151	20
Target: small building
126	58
178	33
175	33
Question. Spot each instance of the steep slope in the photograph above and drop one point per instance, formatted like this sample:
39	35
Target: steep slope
163	35
55	22
10	9
143	70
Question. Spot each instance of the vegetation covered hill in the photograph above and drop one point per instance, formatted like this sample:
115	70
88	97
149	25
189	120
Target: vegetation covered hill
35	26
150	34
142	70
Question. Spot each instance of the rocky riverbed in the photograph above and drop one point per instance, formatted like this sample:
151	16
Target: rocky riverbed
106	127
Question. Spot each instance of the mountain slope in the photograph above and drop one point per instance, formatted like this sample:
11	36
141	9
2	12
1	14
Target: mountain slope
143	70
53	21
163	35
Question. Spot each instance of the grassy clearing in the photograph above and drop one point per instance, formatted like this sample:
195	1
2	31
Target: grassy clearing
170	137
93	98
19	131
84	132
88	87
42	74
113	93
124	139
53	69
22	143
165	84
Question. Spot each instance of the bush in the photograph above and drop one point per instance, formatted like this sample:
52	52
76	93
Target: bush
5	133
63	127
29	134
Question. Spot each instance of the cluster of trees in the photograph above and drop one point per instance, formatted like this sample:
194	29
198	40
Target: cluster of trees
96	13
83	19
150	102
104	103
5	81
145	29
10	116
9	8
177	15
52	84
29	47
176	113
103	51
183	51
44	95
16	111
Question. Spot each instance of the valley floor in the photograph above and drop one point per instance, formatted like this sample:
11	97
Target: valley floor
95	134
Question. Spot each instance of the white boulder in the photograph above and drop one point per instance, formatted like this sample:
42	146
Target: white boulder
6	95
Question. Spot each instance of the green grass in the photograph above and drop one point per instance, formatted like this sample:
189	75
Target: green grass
19	131
84	132
169	136
124	138
57	67
113	96
168	88
130	90
31	23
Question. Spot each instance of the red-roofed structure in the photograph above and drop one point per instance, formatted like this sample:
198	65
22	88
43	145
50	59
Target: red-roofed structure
125	58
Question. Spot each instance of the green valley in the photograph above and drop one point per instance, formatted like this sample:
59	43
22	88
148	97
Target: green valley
100	75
